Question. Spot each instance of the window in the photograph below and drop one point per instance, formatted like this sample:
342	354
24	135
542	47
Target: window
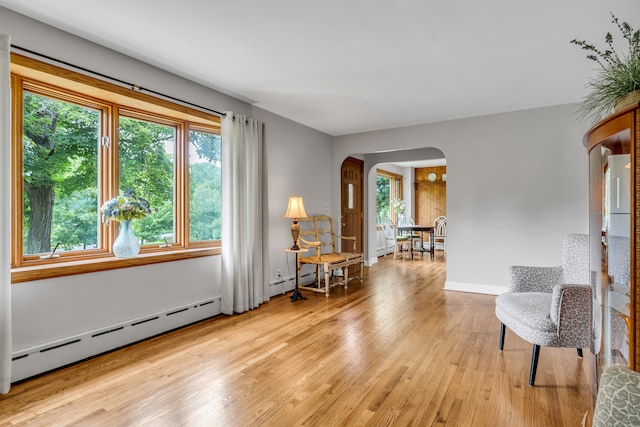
388	190
147	166
204	186
78	142
59	173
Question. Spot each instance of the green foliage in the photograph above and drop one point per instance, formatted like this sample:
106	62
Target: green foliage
146	166
61	143
619	73
205	210
60	161
399	206
383	199
155	227
74	221
206	145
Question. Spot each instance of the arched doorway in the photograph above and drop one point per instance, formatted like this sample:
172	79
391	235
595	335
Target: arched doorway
406	159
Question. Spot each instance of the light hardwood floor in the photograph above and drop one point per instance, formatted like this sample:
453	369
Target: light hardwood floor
397	350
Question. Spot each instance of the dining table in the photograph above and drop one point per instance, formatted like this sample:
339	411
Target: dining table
421	229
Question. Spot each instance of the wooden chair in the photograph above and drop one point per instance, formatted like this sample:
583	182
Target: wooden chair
325	234
316	234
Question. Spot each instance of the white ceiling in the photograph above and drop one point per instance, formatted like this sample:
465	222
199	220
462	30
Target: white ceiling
346	66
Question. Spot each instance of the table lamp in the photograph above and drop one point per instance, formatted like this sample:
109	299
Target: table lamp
295	210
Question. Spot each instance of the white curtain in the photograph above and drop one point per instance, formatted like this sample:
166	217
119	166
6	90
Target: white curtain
5	214
243	286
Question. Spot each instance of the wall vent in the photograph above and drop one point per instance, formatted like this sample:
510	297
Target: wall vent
140	322
60	345
178	311
107	331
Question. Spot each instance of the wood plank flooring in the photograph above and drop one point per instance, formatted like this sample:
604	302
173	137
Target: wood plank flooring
397	350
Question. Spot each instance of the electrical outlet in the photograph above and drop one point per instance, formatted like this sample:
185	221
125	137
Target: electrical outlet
279	274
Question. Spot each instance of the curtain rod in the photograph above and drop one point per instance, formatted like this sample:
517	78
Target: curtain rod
122	82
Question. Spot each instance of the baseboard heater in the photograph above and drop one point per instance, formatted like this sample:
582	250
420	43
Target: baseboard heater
40	359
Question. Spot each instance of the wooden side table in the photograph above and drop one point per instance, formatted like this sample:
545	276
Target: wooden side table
296	293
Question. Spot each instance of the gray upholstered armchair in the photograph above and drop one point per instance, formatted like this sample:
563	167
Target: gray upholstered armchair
550	306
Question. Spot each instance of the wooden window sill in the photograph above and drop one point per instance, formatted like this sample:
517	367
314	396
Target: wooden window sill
59	269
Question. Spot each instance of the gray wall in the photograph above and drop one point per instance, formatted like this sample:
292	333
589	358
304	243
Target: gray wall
53	310
298	160
516	184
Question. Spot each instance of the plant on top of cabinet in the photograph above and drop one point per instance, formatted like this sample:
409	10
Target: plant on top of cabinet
619	76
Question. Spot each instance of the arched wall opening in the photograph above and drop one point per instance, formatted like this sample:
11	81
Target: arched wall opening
371	162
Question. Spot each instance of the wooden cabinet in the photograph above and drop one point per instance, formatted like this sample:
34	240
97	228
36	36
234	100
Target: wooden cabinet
614	227
430	186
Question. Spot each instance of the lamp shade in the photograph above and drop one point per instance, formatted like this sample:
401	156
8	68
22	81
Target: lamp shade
295	208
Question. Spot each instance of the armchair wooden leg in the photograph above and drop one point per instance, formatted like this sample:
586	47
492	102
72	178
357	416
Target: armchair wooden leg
579	353
326	280
502	329
534	364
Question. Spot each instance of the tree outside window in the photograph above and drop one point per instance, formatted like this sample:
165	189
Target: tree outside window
205	188
147	156
60	175
388	192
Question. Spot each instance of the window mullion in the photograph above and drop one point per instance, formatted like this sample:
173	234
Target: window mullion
109	171
17	106
181	187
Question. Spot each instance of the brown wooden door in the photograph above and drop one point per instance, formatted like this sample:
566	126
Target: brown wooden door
352	220
430	195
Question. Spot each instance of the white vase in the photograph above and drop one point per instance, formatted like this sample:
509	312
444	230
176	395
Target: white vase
126	244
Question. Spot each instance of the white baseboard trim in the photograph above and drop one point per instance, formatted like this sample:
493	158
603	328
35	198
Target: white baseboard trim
371	261
474	288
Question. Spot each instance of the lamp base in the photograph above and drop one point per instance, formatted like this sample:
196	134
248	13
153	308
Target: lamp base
297	295
295	232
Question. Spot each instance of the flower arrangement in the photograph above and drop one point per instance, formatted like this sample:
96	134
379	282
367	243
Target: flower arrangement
398	206
125	207
619	74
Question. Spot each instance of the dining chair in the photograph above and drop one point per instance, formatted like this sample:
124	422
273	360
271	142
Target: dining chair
414	238
393	239
440	233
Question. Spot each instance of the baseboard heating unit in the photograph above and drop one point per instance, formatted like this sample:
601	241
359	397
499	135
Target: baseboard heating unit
43	358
